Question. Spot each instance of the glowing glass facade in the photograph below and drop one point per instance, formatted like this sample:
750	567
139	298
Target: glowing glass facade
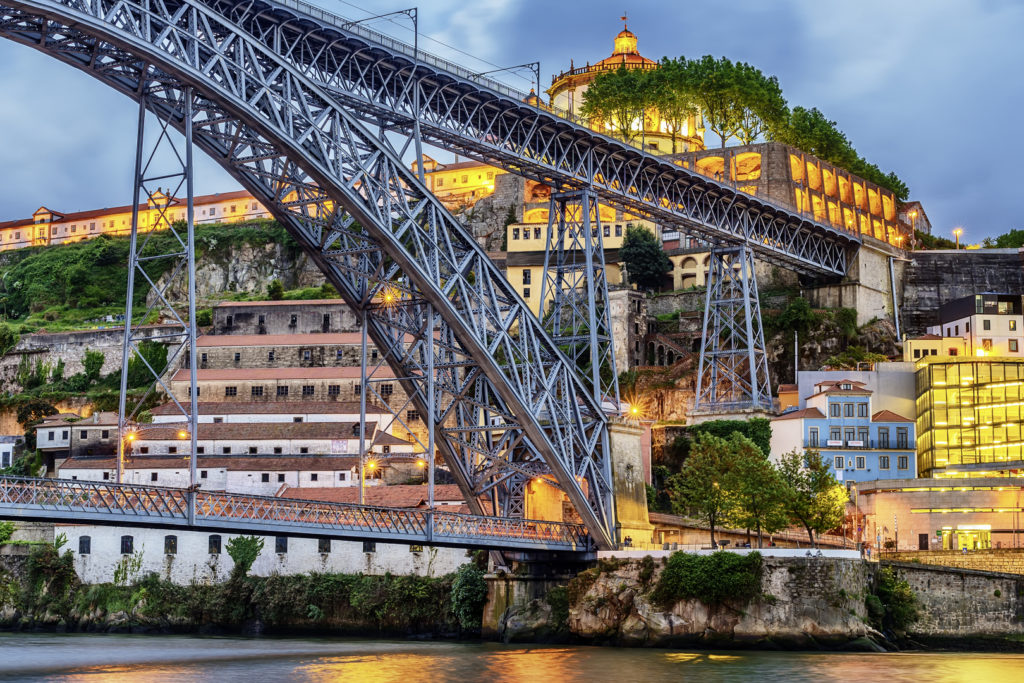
969	417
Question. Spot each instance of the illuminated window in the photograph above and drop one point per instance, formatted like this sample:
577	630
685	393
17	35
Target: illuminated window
1013	325
1013	345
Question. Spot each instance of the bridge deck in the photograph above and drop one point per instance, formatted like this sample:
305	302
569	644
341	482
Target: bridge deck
82	502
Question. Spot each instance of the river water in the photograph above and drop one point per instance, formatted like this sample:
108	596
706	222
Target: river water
96	658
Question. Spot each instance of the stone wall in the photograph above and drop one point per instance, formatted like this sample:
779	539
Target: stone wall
867	286
963	603
1004	560
935	277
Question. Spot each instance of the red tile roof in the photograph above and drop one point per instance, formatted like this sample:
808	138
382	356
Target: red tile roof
321	463
244	431
889	416
100	419
268	408
314	339
400	496
809	413
282	302
243	374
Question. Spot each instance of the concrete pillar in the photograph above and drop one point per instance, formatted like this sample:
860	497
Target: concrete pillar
628	476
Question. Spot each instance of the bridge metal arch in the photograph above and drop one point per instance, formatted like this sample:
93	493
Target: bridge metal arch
374	76
511	404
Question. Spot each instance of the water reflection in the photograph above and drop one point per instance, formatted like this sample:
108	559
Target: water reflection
160	659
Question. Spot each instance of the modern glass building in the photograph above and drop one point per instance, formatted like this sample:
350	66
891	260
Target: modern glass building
969	415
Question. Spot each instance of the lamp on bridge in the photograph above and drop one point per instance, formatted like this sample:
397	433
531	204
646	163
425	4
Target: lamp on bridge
421	464
956	233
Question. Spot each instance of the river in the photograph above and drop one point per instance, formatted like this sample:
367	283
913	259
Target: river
67	657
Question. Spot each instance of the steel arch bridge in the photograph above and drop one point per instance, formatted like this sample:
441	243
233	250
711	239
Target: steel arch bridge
298	108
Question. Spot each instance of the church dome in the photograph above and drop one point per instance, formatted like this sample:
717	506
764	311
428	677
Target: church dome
625	43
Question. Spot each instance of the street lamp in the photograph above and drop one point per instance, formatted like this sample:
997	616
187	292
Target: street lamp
957	232
422	465
913	220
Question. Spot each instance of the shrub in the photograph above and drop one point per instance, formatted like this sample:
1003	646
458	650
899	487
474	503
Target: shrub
469	595
243	550
6	531
204	317
893	606
712	579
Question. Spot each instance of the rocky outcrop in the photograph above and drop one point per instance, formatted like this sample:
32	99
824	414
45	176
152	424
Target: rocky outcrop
804	602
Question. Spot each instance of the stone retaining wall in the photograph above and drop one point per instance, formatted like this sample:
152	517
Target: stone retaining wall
1005	560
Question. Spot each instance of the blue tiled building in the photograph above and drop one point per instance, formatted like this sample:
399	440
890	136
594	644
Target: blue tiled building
860	444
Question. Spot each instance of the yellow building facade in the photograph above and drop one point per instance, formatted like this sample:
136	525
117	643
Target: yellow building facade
47	227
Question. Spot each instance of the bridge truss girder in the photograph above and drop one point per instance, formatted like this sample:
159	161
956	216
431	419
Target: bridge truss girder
458	113
507	402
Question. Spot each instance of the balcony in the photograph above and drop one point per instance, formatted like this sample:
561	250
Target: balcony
860	444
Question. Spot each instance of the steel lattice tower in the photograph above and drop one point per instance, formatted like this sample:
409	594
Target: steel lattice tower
575	281
733	371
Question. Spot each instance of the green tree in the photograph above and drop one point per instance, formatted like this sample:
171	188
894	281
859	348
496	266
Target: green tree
1011	240
149	355
760	493
814	499
715	86
645	259
57	374
469	595
674	102
703	482
243	550
8	338
619	99
31	413
93	364
204	317
762	107
275	290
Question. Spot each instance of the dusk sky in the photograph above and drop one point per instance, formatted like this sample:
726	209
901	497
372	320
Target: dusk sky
905	80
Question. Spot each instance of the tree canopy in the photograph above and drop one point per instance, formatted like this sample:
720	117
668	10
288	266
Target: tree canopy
620	99
814	499
645	259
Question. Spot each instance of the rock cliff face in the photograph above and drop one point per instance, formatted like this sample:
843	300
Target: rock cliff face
245	268
804	602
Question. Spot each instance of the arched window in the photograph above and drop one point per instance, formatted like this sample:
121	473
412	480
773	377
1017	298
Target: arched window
214	544
84	545
170	544
127	545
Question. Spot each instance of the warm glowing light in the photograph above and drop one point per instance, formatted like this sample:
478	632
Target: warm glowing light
182	434
130	436
979	352
421	463
371	465
958	231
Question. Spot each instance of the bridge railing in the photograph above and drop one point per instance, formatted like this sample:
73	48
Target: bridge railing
94	496
129	500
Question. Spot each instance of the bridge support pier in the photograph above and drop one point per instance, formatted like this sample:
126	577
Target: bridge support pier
733	374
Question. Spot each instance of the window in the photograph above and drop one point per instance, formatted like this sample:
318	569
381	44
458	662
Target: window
862	410
226	450
105	434
84	545
515	233
106	475
883	437
257	391
618	229
50	435
313	476
838	462
607	231
327	321
862	436
415	549
277	450
293	321
835	434
1012	345
526	276
357	389
213	544
153	476
986	344
127	545
228	323
411	415
333	389
280	544
917	353
901	437
387	389
170	544
64	434
282	392
849	435
373	354
860	462
200	450
307	389
883	462
952	352
304	449
213	211
280	478
848	410
252	450
526	292
231	391
204	474
967	327
536	233
464	179
338	354
835	410
144	449
262	320
369	546
956	329
323	545
341	476
202	358
218	420
385	449
986	325
172	450
296	419
270	356
234	209
199	391
1013	325
83	434
440	182
902	462
307	354
812	437
265	477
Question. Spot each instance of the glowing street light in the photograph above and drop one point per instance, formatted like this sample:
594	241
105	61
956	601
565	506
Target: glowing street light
957	232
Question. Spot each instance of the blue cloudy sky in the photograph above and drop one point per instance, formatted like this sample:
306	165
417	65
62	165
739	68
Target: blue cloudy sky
928	88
